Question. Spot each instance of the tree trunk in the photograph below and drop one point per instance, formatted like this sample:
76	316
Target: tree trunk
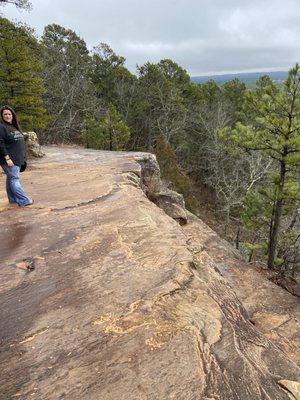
275	226
110	141
237	239
227	220
250	255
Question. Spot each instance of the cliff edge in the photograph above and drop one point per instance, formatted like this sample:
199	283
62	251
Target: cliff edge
105	296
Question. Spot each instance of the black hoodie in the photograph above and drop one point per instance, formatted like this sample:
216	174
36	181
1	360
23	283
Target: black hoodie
11	143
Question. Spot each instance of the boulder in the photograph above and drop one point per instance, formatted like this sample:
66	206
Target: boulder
172	203
33	147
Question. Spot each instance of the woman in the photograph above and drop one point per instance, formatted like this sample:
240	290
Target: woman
12	156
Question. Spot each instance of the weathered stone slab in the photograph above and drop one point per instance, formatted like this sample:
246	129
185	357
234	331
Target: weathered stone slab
118	306
273	310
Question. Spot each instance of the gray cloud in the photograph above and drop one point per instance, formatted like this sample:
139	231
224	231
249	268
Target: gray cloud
201	35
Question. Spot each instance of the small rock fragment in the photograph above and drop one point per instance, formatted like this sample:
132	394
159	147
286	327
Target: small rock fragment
27	265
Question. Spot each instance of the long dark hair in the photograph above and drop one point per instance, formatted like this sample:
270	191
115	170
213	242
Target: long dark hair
14	122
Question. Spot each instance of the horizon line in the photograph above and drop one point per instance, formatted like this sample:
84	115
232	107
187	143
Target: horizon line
249	71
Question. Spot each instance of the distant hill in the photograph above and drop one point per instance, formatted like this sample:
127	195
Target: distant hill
249	78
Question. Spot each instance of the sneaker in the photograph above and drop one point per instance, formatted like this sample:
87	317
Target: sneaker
28	204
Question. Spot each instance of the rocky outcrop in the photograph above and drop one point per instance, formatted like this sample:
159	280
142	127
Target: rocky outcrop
121	302
171	202
33	147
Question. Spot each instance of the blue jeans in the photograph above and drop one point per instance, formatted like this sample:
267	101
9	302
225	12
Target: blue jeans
14	190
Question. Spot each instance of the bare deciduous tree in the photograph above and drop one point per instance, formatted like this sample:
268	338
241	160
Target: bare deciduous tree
24	4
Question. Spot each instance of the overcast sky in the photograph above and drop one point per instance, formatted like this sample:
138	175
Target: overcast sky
203	36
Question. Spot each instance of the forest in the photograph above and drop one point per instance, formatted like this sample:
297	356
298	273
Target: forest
226	148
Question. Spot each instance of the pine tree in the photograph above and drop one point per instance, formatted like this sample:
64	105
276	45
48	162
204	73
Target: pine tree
69	95
275	133
112	81
159	107
171	172
20	85
110	133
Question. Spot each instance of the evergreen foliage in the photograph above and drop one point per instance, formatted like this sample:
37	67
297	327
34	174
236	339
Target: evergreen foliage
108	73
159	107
69	94
108	133
275	133
171	172
20	85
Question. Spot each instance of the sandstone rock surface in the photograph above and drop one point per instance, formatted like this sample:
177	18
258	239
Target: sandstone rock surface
121	302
